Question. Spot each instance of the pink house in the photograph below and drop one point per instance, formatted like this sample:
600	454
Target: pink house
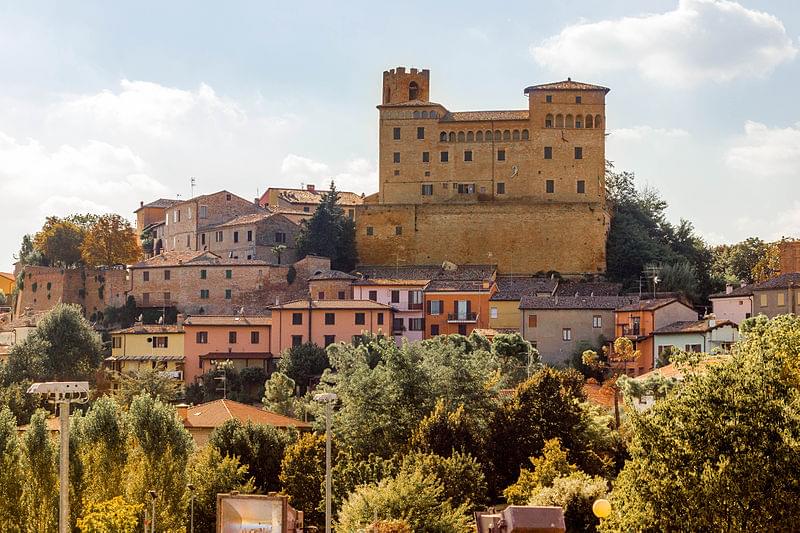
735	304
404	296
244	340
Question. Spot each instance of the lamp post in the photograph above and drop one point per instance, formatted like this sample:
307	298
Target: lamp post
190	486
153	496
601	508
63	393
328	398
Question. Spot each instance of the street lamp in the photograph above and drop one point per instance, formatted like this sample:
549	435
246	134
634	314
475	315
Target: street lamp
63	393
153	495
190	486
328	398
601	508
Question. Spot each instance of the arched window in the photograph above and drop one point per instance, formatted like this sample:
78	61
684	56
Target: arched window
461	136
497	135
470	136
569	122
559	121
515	135
443	137
578	121
598	121
452	137
525	135
589	121
424	114
506	135
479	136
434	114
488	135
415	114
413	91
548	121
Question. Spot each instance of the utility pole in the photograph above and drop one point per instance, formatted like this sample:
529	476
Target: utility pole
328	398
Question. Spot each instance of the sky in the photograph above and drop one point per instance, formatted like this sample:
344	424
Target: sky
106	104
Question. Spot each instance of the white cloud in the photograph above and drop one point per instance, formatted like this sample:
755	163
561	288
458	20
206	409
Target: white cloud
295	166
356	174
764	151
639	133
700	40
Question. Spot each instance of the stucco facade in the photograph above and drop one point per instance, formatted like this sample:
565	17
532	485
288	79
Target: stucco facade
777	296
148	347
735	304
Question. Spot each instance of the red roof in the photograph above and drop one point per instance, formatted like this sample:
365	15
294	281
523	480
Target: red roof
214	414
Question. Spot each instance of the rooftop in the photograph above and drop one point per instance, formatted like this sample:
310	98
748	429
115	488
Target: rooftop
588	288
650	305
228	320
161	203
744	290
469	116
693	326
305	196
214	414
330	274
515	287
149	357
779	282
333	304
194	258
676	371
566	85
458	285
149	328
576	302
425	272
250	218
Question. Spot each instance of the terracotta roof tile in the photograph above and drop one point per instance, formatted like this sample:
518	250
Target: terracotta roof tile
575	302
588	288
692	326
425	272
162	203
779	282
566	85
304	196
330	274
676	371
649	305
458	285
150	329
333	304
214	414
470	116
228	320
513	288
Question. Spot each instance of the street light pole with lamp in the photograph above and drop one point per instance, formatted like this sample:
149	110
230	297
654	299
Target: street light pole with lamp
601	509
328	398
153	495
190	486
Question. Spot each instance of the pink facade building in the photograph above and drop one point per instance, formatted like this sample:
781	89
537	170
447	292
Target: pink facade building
404	296
735	304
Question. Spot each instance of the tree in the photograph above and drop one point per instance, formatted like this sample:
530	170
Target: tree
39	464
279	395
414	497
519	359
11	476
259	447
575	494
735	263
103	446
303	474
279	250
303	363
110	241
60	241
111	516
147	381
329	233
444	431
768	265
213	474
63	347
28	254
679	277
460	475
21	404
550	465
737	420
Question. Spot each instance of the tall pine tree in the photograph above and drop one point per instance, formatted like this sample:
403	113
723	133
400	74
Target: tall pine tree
329	233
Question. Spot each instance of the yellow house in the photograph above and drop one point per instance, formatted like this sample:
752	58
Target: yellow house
7	283
148	347
504	313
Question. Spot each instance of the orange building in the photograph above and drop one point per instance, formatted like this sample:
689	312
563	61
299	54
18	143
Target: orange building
244	340
325	322
457	306
638	321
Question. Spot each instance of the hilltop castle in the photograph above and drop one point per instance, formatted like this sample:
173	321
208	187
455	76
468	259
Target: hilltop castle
523	189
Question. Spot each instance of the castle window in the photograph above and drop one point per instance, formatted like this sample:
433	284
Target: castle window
413	91
426	157
396	134
581	187
427	173
228	294
549	98
569	123
203	211
461	136
420	133
515	135
578	152
579	121
497	135
145	276
550	186
577	99
525	135
548	152
597	121
235	236
370	231
506	135
548	121
488	135
559	121
424	114
470	137
479	136
434	114
396	157
466	188
415	114
427	189
249	235
444	157
443	137
501	155
396	172
501	188
451	137
227	197
589	121
467	155
398	230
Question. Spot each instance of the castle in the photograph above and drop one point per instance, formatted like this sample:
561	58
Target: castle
523	189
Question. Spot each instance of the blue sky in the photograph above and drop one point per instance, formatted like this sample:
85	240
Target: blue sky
104	104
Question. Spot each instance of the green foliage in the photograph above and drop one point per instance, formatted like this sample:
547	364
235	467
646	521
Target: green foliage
17	399
722	455
655	385
351	471
735	263
40	467
552	464
329	233
121	317
575	494
517	357
103	447
63	347
303	474
11	475
460	475
279	395
444	431
414	497
304	363
29	255
111	516
59	241
213	474
679	277
242	386
259	447
147	381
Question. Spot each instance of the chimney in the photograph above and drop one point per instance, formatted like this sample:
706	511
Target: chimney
712	323
141	203
310	187
728	288
256	201
181	319
182	410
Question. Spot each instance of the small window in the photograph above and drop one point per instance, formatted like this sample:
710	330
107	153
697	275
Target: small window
203	239
202	337
297	340
781	299
145	276
228	274
380	319
235	236
203	211
501	188
435	307
228	294
426	157
204	294
461	137
444	157
427	189
306	209
548	152
493	312
550	186
566	334
228	197
416	324
532	321
330	319
280	237
361	319
166	275
420	132
467	155
577	99
370	231
203	274
373	295
581	186
117	342
297	319
548	98
597	321
231	337
578	152
255	337
434	329
398	230
329	339
341	295
443	137
466	188
145	298
218	236
395	297
321	295
249	235
160	342
763	300
167	297
396	134
501	155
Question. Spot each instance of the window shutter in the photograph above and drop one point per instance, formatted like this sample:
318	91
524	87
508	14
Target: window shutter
428	306
166	342
469	306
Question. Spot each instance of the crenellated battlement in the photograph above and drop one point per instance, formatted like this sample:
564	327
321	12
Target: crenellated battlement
401	85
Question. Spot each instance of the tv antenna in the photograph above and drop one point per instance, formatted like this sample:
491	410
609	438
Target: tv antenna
192	183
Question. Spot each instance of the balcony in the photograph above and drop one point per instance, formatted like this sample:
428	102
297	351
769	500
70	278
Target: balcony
462	318
630	330
173	374
414	306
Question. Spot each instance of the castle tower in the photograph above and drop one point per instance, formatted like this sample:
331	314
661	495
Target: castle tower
400	86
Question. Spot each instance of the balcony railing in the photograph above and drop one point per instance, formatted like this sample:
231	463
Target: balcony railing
414	306
174	374
630	330
462	317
